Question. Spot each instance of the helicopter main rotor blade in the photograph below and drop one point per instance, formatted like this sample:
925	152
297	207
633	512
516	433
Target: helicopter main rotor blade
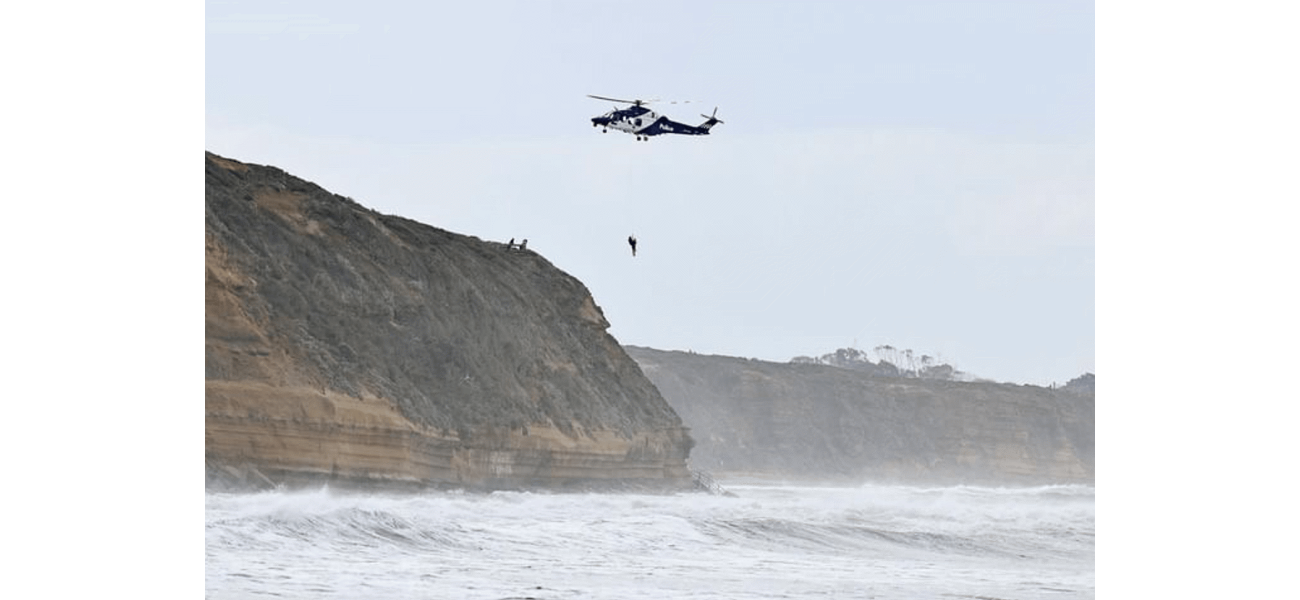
636	102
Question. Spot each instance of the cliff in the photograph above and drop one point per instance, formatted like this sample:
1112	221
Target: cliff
810	422
348	347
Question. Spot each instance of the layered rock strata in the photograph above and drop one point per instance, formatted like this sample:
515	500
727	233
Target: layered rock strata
808	422
349	347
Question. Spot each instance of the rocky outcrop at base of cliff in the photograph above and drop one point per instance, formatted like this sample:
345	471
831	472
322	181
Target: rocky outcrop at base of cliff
819	422
348	347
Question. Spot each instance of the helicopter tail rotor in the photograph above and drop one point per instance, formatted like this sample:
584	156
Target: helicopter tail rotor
711	120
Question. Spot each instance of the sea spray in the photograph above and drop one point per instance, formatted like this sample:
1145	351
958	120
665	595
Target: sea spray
765	541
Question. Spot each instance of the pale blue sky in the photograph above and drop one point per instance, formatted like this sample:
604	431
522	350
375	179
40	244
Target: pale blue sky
1196	319
919	174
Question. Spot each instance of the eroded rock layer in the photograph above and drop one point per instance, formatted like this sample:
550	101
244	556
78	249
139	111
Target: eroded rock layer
349	347
805	421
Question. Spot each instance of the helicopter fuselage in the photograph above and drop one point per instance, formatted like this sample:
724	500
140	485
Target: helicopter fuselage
628	120
643	123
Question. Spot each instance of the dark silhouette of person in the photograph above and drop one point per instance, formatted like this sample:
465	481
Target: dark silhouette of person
631	241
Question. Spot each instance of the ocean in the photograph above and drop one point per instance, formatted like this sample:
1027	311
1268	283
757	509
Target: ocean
766	541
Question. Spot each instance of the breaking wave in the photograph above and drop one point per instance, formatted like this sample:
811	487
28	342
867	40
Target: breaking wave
767	541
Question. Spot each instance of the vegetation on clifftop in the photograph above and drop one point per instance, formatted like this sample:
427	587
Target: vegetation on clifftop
893	362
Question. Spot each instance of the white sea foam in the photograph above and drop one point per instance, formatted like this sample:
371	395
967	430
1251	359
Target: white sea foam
767	542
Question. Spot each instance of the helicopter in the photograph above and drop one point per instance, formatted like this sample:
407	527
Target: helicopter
644	123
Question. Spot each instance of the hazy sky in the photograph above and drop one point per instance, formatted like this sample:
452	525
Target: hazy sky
918	174
932	155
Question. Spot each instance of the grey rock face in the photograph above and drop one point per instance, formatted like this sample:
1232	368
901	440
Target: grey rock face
807	421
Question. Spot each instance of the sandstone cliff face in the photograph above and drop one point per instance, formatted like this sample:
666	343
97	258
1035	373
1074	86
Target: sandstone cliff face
804	421
357	348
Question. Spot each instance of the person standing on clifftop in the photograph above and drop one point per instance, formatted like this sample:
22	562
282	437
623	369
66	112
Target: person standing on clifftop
631	241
